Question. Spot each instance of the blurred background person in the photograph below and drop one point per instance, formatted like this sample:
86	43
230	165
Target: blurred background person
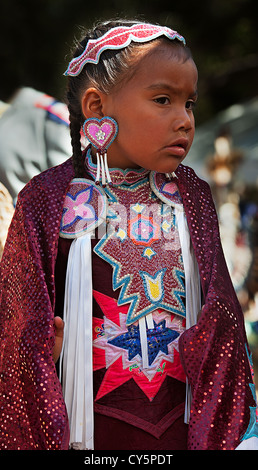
6	213
34	135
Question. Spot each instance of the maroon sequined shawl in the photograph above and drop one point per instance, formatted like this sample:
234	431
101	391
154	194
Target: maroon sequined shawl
32	409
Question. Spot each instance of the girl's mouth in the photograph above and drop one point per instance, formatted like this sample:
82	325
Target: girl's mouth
178	147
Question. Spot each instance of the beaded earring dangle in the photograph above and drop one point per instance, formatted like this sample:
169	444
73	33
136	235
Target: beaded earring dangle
101	133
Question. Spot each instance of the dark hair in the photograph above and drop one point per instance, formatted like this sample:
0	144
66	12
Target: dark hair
111	70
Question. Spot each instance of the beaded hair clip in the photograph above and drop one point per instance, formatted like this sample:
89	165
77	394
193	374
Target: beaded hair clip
118	38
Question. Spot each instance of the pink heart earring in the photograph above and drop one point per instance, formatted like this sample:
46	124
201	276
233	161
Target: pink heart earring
101	133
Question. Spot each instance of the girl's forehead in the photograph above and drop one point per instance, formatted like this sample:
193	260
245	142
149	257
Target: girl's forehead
168	51
163	61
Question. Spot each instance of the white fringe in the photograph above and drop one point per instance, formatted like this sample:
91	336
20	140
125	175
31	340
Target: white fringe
76	370
192	287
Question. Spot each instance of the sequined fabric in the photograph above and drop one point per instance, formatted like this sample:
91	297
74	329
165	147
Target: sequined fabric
213	352
32	409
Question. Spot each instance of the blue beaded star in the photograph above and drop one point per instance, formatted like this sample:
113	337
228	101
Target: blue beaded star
158	339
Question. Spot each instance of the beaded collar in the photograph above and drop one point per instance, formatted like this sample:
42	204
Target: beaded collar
118	176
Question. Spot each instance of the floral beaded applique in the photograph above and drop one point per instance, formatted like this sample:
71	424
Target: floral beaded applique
84	208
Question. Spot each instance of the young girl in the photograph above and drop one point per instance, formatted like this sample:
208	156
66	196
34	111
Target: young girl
122	243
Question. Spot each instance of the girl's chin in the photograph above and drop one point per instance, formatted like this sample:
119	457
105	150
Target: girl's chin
166	170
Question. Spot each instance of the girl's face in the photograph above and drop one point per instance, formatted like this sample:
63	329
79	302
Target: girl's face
154	111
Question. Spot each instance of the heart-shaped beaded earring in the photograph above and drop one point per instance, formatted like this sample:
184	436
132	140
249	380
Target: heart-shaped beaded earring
101	133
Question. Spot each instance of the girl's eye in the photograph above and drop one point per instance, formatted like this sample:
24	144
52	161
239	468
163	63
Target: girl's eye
162	100
190	105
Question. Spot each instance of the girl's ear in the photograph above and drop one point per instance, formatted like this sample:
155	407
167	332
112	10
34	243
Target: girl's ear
92	103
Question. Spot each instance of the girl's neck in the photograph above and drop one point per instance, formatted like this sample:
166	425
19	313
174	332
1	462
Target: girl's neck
118	175
115	162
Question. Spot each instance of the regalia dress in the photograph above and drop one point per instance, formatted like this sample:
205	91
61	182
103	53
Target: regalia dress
142	357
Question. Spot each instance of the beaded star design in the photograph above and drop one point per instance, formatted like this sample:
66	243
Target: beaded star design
142	246
117	349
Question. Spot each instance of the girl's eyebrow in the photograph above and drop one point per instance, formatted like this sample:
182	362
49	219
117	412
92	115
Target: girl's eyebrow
166	86
158	86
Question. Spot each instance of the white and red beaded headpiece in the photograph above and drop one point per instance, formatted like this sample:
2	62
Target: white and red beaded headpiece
118	38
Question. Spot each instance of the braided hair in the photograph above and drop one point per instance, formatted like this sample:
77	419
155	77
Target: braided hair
113	68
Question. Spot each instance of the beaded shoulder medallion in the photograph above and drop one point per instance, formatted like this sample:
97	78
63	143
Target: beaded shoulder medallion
84	208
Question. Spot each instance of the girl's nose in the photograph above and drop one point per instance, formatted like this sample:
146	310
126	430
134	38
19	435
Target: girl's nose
183	120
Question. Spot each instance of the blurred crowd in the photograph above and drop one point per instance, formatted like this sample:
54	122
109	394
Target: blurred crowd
237	207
